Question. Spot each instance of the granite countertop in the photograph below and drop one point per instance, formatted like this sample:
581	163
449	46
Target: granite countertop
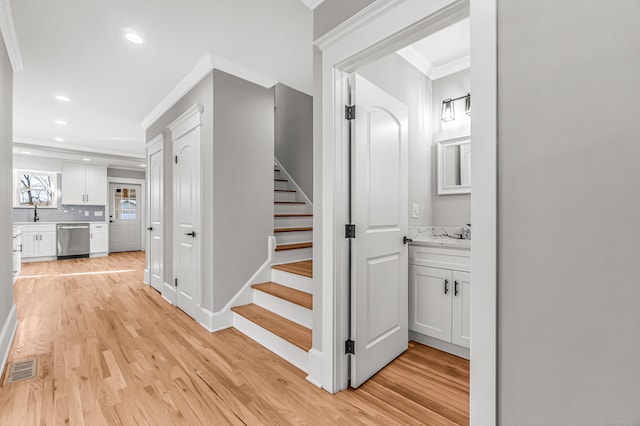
55	223
439	237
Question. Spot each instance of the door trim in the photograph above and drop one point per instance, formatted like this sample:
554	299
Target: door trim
395	26
153	146
143	207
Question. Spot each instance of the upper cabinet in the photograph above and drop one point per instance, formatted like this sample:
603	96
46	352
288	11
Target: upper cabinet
84	184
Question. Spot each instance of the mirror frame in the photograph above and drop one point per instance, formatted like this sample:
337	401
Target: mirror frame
458	189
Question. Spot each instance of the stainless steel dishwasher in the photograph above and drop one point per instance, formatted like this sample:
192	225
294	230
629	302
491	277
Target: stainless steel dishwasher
73	240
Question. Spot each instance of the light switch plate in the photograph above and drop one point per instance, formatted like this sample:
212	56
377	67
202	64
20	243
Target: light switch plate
86	212
415	210
97	213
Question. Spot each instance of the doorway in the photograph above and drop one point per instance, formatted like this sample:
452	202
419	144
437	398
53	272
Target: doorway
381	29
124	217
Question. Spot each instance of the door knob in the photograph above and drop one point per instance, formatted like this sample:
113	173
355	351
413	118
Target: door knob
150	228
192	233
406	240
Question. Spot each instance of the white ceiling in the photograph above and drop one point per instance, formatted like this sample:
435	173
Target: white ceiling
442	53
77	48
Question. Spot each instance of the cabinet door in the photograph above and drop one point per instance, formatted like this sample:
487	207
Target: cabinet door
461	317
73	183
30	244
96	184
99	241
47	244
431	290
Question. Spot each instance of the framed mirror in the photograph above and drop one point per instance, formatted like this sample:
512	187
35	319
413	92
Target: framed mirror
454	166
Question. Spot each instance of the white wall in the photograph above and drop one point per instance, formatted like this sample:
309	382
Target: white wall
450	210
569	294
330	13
404	82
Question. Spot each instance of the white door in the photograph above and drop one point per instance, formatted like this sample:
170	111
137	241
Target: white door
155	223
186	219
124	217
461	317
379	299
430	312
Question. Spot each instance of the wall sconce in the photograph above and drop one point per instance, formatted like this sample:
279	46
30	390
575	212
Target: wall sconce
448	110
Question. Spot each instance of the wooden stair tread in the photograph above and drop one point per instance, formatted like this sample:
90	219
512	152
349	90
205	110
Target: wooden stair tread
289	202
293	215
302	229
289	294
284	190
294	246
304	268
286	329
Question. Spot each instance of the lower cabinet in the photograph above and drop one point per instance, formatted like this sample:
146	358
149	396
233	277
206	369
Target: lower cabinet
99	242
17	252
38	241
440	303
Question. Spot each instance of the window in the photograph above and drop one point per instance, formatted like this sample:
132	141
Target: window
35	189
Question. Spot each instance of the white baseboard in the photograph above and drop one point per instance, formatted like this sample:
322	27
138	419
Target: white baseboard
38	259
168	293
92	255
456	350
315	367
275	344
146	277
7	334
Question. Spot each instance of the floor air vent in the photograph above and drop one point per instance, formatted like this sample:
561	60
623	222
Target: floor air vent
22	370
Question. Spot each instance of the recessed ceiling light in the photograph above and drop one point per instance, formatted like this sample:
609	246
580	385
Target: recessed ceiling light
134	38
58	139
143	165
86	159
61	123
62	98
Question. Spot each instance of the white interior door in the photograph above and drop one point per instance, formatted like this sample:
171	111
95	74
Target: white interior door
379	299
186	219
155	207
124	217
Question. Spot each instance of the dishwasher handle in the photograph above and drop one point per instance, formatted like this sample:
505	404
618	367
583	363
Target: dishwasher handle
73	227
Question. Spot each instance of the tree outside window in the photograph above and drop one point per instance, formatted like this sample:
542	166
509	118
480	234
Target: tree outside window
35	189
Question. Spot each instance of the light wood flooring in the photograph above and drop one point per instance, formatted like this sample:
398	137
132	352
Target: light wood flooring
111	351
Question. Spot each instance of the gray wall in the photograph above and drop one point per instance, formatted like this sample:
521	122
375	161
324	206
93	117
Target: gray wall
569	296
6	184
397	77
201	94
450	210
125	173
330	13
294	135
242	184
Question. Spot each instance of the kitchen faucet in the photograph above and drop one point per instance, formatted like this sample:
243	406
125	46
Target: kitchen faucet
35	213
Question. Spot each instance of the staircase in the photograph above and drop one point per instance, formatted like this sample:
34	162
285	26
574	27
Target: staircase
280	317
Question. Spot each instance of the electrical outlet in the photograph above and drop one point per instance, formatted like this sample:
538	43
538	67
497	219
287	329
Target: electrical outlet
415	210
97	213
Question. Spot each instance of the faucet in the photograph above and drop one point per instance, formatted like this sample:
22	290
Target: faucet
35	213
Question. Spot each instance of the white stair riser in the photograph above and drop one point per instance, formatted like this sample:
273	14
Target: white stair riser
290	208
293	237
297	282
287	256
275	344
284	308
293	222
280	185
285	196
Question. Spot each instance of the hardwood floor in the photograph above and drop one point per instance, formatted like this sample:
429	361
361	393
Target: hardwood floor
111	351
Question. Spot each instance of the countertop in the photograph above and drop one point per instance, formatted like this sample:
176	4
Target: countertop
430	241
55	223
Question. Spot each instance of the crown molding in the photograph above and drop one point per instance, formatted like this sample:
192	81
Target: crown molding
312	4
422	64
358	20
64	147
207	64
452	67
9	35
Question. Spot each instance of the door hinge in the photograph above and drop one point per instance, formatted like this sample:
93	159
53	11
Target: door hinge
350	347
349	112
175	282
176	159
349	231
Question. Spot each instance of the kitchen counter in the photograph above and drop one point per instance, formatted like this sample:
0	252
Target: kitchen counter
55	223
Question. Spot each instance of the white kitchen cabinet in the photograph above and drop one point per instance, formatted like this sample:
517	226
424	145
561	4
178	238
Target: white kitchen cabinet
440	303
38	241
17	252
84	184
99	242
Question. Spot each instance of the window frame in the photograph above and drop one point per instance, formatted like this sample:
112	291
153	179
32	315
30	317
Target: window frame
17	189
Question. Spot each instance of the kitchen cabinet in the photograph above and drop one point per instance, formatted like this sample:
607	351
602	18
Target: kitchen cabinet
99	243
440	303
84	184
38	241
17	252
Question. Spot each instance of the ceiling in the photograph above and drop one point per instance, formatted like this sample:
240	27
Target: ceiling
77	48
443	53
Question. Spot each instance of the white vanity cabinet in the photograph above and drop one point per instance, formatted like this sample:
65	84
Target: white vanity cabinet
38	241
439	291
99	239
84	184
